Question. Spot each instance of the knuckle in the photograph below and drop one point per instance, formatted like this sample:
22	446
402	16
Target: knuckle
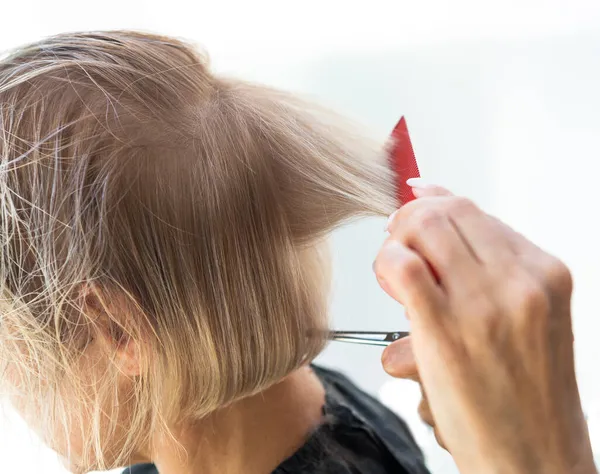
461	205
426	218
409	270
558	275
531	301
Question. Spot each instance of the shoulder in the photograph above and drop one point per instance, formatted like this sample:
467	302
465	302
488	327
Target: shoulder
391	432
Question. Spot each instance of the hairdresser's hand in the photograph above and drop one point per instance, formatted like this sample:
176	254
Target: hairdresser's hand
492	338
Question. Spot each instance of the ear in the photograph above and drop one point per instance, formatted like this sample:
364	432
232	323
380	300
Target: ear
126	354
113	331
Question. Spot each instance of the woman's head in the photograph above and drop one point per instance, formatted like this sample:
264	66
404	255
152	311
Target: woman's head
160	234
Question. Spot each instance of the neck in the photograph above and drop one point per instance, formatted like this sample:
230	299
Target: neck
252	436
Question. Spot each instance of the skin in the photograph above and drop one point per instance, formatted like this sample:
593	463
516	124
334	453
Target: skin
491	340
253	435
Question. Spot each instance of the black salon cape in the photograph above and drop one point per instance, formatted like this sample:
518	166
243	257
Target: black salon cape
359	436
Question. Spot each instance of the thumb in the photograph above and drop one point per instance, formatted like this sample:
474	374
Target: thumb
399	361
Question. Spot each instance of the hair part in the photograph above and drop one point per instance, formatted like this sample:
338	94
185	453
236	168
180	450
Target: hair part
131	173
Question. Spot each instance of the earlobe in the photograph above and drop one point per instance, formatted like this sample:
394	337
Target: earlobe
128	357
123	349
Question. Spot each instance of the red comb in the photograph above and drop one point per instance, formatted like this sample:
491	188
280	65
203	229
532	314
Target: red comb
403	162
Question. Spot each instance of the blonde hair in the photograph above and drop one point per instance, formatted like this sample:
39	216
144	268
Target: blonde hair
130	170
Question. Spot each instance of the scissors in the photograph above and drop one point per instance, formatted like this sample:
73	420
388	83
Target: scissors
372	338
404	165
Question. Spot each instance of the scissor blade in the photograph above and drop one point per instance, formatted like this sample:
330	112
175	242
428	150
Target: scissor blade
366	337
355	340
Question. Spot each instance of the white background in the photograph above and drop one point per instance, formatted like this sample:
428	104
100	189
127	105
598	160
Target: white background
503	105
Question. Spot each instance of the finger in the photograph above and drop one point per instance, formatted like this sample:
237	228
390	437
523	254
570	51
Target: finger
426	415
425	412
399	361
424	226
422	188
430	191
438	438
409	280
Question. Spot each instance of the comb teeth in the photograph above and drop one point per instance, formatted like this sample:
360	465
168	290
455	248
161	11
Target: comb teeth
403	162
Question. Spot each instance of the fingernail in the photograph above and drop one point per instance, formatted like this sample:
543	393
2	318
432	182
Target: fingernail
419	183
390	220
